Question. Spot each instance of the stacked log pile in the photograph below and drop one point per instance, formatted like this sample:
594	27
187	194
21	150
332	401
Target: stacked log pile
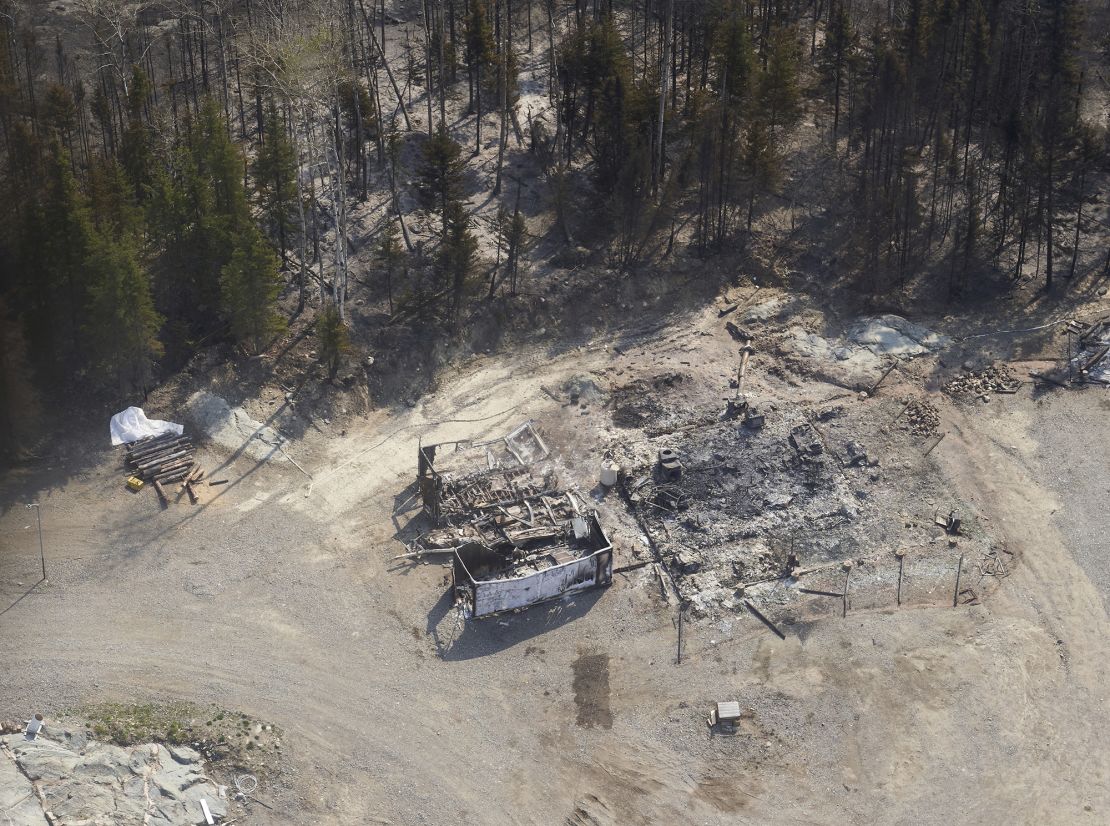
165	460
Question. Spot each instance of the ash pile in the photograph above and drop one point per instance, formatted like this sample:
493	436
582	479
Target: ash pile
516	537
729	508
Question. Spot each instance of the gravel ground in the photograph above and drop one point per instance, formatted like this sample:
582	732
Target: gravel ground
277	597
1072	432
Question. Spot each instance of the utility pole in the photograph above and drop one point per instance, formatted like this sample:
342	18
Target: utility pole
42	553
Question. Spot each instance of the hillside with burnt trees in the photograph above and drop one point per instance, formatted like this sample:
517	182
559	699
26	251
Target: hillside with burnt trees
185	174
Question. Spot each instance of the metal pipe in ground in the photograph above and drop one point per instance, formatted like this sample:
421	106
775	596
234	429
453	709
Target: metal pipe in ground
959	570
680	612
847	575
901	563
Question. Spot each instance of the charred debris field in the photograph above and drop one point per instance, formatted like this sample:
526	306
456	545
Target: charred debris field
790	482
606	413
665	536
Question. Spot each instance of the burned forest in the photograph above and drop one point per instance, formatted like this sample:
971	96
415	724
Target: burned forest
551	412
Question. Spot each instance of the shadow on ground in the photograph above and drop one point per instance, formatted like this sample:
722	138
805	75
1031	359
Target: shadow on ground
458	639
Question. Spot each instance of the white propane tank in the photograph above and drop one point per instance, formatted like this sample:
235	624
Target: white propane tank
609	471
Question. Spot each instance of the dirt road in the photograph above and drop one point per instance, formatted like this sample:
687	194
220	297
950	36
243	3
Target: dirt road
277	598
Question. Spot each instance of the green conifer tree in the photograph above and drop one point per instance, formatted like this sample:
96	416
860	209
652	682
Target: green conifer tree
56	243
390	254
275	170
456	254
137	141
779	96
480	54
122	324
331	338
250	284
439	178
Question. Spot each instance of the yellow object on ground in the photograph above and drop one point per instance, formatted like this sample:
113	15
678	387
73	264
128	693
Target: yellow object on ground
134	482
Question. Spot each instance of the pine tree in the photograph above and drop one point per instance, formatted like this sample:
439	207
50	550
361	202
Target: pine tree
390	254
839	43
760	163
779	97
456	255
56	240
136	153
480	54
439	178
515	238
122	325
250	284
331	338
275	171
112	203
198	212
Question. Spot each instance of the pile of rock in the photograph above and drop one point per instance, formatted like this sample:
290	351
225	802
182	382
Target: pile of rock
65	777
998	378
922	418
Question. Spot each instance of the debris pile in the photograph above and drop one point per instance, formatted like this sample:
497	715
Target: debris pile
516	536
636	404
164	460
734	517
922	417
998	378
1092	359
725	506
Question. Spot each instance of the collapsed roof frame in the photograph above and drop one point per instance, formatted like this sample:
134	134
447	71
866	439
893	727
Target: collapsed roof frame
524	446
525	540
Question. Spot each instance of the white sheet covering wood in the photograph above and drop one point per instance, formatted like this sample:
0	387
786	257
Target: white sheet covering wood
131	424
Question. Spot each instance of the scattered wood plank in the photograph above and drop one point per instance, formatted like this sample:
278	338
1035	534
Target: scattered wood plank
633	567
737	333
959	572
425	552
1049	379
1083	336
193	470
1095	359
663	585
937	442
882	378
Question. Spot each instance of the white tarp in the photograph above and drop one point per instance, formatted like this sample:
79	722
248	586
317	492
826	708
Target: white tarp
131	424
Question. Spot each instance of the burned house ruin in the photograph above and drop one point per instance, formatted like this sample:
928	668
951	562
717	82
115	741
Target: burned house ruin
737	507
517	537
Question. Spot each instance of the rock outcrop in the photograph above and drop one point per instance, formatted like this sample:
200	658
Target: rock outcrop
54	781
